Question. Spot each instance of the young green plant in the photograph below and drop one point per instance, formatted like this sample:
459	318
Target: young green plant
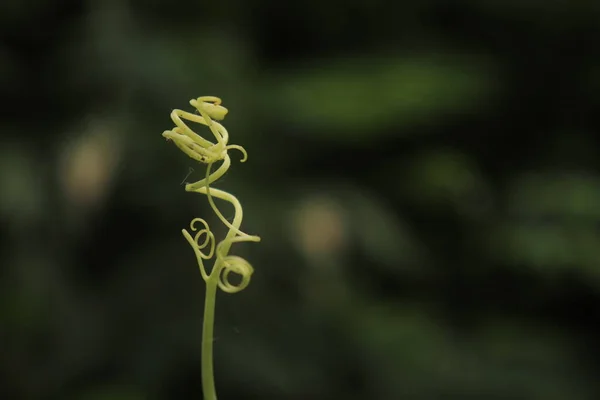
203	242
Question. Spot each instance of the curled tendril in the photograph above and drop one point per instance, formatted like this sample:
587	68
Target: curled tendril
241	149
239	266
210	111
225	265
193	144
233	264
223	195
209	240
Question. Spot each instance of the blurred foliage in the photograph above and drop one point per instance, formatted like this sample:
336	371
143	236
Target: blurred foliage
350	96
424	177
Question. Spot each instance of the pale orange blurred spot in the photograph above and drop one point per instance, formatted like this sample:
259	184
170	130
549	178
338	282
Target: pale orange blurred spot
320	227
88	164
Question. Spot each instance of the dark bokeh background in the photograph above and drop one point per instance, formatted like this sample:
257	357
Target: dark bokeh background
424	177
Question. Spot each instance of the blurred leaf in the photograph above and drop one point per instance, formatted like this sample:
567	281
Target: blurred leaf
337	98
447	179
564	195
554	223
384	237
411	353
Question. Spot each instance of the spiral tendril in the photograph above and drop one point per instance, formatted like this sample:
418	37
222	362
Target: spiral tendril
236	265
208	152
203	241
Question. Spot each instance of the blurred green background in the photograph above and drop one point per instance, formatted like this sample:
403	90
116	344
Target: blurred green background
424	176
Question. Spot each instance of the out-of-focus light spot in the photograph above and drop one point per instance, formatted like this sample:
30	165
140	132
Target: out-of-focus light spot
319	227
88	164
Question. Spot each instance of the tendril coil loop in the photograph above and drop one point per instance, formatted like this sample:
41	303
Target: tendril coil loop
239	266
233	264
209	238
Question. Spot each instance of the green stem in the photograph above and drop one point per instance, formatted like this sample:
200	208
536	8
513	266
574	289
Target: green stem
208	377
